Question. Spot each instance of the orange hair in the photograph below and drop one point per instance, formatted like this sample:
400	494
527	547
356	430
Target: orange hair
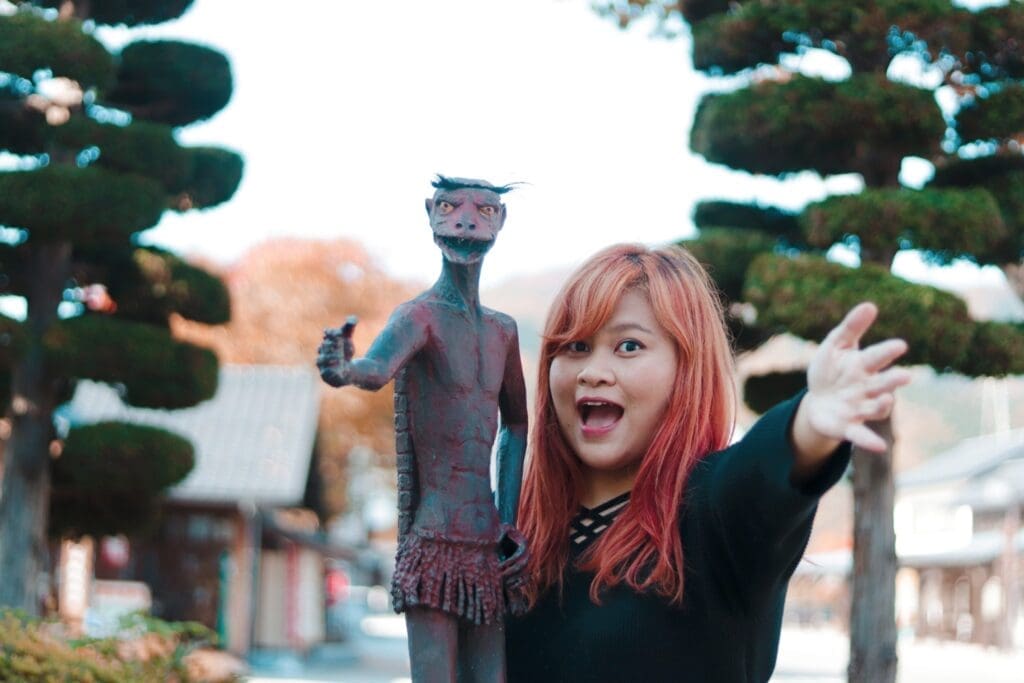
642	547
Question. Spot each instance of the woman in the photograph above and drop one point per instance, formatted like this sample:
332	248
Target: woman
655	554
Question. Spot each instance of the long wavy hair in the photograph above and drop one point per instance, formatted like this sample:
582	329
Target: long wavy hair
642	547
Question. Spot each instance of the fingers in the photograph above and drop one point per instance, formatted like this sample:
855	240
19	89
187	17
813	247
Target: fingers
862	436
882	354
886	382
848	332
346	330
877	408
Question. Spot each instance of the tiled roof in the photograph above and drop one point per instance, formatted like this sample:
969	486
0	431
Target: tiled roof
974	457
253	439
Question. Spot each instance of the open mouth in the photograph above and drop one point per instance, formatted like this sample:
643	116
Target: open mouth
465	246
597	416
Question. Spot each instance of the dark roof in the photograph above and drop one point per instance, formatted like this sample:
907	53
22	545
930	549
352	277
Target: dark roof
253	439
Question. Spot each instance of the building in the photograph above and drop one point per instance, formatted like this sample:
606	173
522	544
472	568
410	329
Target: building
238	547
960	542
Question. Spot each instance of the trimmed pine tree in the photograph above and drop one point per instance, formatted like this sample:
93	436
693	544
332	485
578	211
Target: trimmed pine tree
95	132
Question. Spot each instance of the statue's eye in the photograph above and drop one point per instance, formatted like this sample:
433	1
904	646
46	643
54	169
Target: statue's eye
488	210
444	207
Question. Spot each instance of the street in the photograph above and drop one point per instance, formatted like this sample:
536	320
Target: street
376	653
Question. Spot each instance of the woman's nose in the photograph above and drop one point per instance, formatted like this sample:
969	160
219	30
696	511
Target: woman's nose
595	373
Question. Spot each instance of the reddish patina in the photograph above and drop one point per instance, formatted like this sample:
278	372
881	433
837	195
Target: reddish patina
457	371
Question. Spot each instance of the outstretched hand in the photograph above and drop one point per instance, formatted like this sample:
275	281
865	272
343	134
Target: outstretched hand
334	366
848	386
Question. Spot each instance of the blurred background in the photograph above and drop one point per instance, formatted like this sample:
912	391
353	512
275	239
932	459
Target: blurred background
192	190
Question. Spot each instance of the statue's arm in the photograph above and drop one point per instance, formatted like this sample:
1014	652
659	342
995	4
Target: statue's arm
404	334
512	435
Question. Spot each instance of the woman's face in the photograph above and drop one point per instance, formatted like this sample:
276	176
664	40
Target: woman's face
610	391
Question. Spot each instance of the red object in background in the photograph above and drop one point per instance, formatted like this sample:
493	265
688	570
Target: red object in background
337	586
115	552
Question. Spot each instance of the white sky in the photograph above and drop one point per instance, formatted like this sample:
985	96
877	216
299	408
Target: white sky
344	110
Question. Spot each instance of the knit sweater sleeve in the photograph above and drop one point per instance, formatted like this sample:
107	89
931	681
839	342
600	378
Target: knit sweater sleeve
755	521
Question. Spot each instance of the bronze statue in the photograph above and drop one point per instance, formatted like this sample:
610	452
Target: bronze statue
456	368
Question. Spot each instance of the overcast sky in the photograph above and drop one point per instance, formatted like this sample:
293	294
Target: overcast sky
345	110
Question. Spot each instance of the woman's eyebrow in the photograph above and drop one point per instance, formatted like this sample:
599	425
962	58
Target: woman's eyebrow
622	327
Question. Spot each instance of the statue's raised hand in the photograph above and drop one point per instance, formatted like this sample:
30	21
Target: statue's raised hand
334	356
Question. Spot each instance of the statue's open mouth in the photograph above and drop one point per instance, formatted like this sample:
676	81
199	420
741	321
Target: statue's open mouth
466	246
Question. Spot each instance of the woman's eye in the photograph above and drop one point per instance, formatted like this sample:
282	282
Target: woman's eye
576	347
630	346
444	207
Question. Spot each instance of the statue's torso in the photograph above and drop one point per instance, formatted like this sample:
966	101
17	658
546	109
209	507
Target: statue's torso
451	388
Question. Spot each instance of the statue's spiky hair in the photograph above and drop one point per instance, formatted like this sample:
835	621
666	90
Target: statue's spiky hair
446	183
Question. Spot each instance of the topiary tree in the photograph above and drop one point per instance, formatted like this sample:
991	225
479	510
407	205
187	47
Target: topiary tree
99	162
773	262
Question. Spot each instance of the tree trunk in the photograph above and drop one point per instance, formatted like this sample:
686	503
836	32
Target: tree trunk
25	500
873	608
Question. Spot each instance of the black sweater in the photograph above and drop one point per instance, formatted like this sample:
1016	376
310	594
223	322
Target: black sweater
744	527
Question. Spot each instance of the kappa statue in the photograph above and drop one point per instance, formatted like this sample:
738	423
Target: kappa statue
456	368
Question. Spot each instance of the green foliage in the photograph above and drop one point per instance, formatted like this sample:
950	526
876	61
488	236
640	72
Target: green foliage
997	117
148	284
808	296
760	32
958	172
36	651
946	223
171	82
807	123
22	130
996	350
197	176
29	43
996	46
767	219
96	202
109	475
86	205
216	174
726	253
1003	176
761	392
142	148
119	458
156	370
129	12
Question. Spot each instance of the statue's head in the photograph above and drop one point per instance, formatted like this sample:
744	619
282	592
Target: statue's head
465	215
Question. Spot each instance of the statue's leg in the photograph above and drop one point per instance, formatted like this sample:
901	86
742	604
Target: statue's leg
482	653
433	643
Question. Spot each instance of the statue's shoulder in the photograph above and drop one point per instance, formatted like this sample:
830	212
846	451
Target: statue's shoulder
416	311
502	320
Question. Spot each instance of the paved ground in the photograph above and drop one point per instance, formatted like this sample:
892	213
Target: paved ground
376	653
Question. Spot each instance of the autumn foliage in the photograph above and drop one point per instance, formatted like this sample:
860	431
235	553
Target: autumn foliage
283	294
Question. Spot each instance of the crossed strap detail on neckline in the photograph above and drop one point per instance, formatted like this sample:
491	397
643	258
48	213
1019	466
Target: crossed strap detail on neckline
588	523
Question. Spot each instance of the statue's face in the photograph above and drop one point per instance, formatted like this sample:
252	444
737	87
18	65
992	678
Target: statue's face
465	222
